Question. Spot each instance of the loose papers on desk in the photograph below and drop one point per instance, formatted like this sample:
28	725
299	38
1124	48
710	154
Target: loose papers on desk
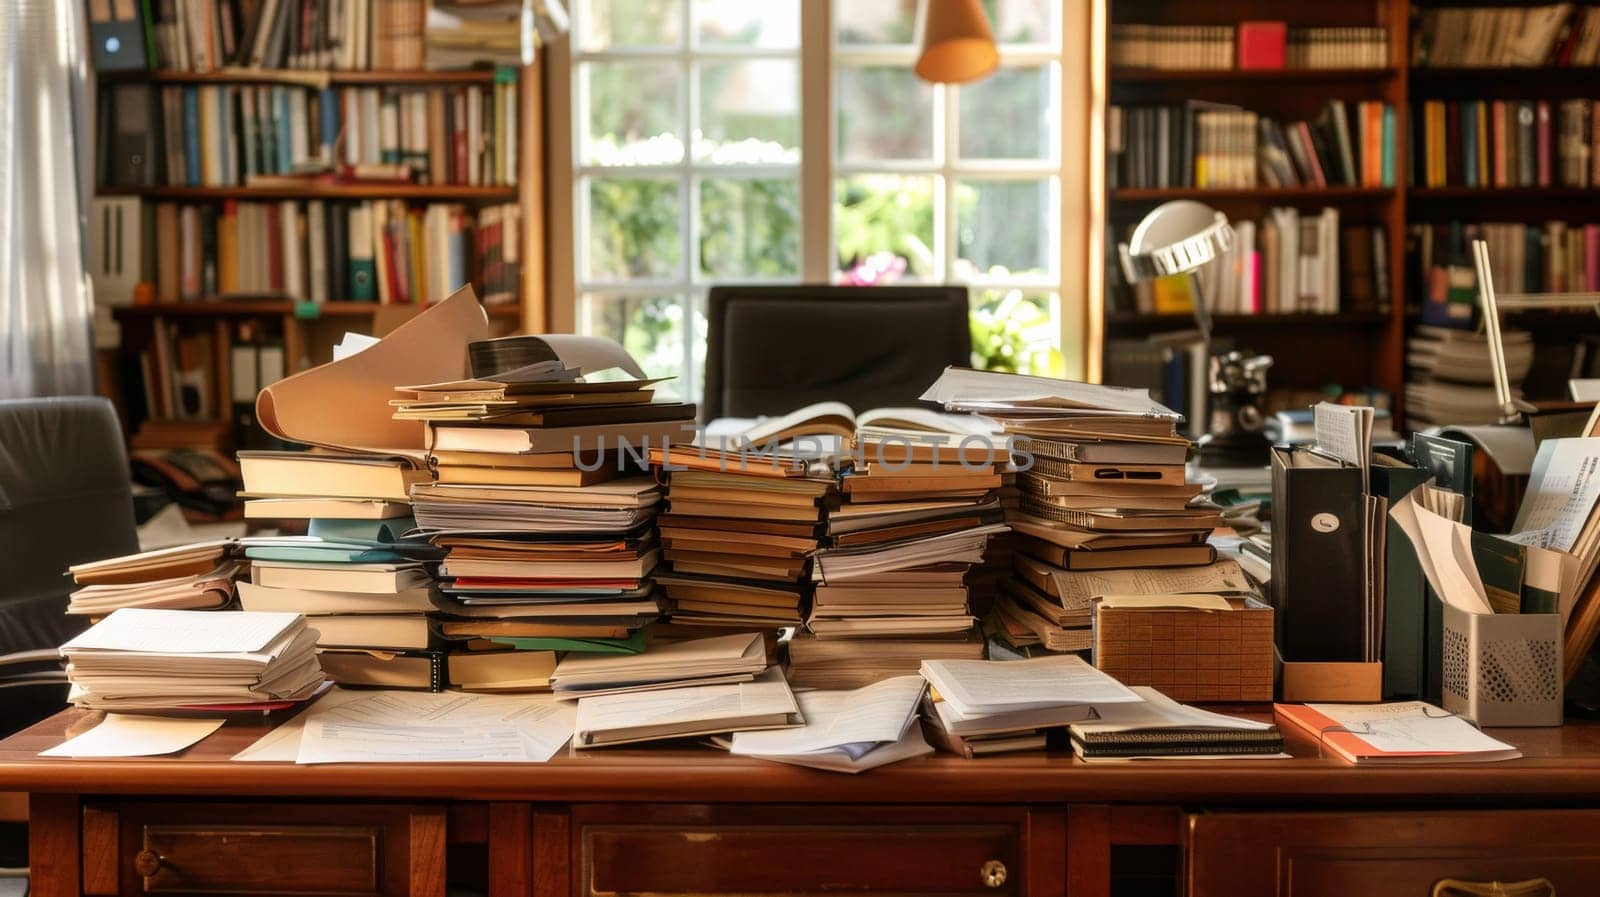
133	735
347	726
1160	728
979	697
1561	496
628	717
846	731
723	658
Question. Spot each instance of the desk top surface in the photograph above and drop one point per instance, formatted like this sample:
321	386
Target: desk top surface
1560	765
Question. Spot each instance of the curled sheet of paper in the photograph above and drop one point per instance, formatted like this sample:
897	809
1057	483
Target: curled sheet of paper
1444	549
345	403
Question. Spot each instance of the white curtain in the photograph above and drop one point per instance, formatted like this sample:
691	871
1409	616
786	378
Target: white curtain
46	302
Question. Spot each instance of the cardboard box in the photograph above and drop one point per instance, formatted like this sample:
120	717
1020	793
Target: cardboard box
1187	652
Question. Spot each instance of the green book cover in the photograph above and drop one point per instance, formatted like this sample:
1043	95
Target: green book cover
314	555
633	644
1501	565
1405	590
376	531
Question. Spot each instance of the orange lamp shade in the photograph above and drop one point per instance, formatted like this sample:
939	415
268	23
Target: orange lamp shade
957	45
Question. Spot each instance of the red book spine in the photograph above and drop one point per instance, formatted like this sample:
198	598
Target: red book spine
1543	124
274	249
1262	44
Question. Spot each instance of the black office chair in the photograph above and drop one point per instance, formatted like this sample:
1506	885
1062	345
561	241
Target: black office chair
65	497
772	349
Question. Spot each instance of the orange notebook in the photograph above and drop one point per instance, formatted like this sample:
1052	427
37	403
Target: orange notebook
1406	733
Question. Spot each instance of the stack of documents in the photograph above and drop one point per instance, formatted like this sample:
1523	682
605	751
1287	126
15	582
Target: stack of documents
139	659
1160	728
972	700
547	527
368	591
738	535
675	690
846	731
1100	472
1450	375
844	663
183	577
918	511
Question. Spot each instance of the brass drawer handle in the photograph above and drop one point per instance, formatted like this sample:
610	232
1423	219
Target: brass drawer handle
148	863
993	873
1533	887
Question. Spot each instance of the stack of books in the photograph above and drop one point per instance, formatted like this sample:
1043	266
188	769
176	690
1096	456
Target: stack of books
917	514
184	577
1101	470
675	690
1160	728
980	707
1450	375
738	535
143	659
548	545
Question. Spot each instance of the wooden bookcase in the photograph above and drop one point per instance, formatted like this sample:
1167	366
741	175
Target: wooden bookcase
1309	350
306	331
1352	350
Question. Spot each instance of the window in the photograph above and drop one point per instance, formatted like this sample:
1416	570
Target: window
686	165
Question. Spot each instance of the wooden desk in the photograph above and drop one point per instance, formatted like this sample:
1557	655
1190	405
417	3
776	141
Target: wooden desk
691	821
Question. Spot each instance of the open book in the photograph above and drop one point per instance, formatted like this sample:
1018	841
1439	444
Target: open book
837	419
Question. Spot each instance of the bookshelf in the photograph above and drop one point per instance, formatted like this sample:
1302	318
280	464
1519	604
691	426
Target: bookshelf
1366	347
1352	347
291	329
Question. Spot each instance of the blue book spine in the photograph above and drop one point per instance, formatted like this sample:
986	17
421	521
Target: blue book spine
1469	141
328	105
1388	146
285	130
191	136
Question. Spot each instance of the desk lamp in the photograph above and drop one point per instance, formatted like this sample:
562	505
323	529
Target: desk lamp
1181	238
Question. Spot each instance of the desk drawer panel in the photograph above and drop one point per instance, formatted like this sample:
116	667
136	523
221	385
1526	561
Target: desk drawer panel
780	851
291	850
1383	854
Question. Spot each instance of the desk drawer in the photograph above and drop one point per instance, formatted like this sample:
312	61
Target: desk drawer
1383	854
710	851
263	849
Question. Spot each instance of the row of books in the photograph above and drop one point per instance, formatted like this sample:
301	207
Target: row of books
1556	34
1552	257
378	251
1250	45
1506	143
206	35
1287	263
255	136
1209	145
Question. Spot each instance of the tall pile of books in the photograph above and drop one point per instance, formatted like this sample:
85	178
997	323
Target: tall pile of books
917	514
738	535
1101	472
366	586
1450	374
549	542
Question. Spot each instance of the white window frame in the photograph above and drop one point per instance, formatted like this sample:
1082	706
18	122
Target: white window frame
1077	195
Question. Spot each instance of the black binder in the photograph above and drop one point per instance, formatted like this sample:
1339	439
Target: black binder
1319	535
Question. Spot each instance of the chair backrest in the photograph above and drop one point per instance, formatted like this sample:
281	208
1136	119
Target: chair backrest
772	349
65	497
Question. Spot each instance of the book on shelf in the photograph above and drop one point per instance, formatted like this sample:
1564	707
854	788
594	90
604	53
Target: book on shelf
291	136
1290	262
1555	34
1247	45
212	35
327	251
1202	144
1495	144
1526	257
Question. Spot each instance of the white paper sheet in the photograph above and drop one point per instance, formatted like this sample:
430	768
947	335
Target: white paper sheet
183	632
133	735
981	687
1444	552
1561	494
1410	727
855	721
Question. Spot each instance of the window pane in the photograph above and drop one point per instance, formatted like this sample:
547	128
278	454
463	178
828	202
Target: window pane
1003	227
770	24
651	328
606	24
749	112
633	113
884	225
750	228
875	21
1022	21
1007	115
633	229
1016	331
885	112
